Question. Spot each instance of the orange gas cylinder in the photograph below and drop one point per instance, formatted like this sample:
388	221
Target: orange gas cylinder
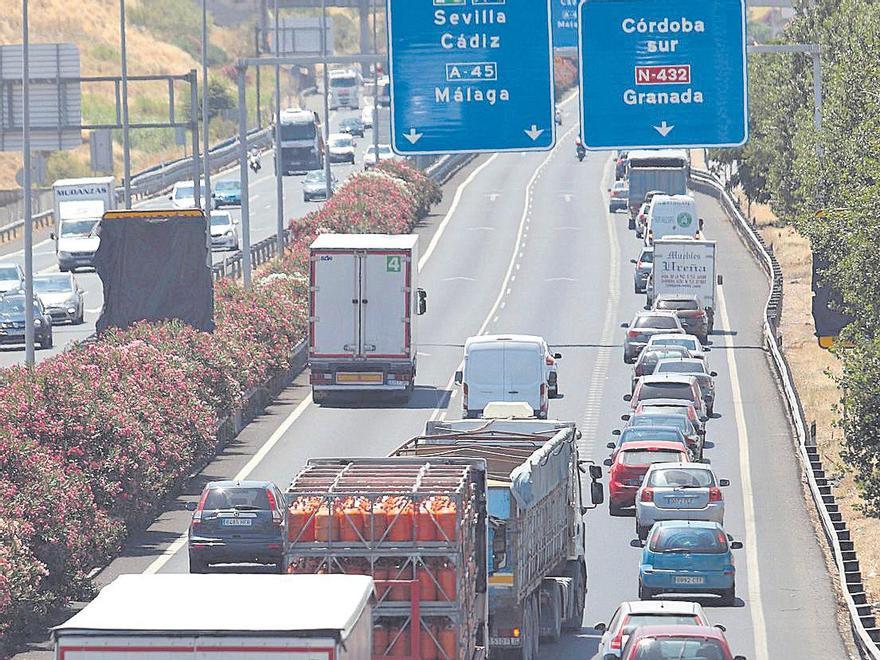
427	527
379	523
446	517
427	588
380	572
400	523
448	642
326	526
400	591
400	647
380	639
300	524
351	524
428	649
448	583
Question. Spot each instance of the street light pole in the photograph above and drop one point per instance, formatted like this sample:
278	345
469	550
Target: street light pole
126	142
375	89
243	176
327	174
205	116
279	171
29	356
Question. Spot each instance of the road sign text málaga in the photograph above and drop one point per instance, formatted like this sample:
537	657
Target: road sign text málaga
663	74
470	75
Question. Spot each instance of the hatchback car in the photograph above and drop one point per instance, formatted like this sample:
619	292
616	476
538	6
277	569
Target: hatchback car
672	642
12	321
341	148
683	387
632	614
61	297
384	151
690	312
674	406
314	185
630	465
690	342
224	231
693	435
353	126
11	277
227	193
643	267
238	522
618	199
679	491
649	357
644	326
696	368
647	434
183	195
688	556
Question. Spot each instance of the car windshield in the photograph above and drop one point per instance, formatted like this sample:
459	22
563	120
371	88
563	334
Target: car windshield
78	227
52	284
347	81
681	478
633	621
686	342
15	306
9	273
679	367
680	648
656	321
620	185
647	256
298	131
689	539
649	456
384	150
649	433
342	141
227	186
649	358
184	192
254	499
353	122
315	176
666	391
677	421
220	219
678	304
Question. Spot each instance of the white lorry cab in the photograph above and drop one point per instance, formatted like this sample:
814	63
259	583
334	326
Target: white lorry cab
671	215
507	368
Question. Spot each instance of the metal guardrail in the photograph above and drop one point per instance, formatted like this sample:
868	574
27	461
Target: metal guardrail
864	628
13	229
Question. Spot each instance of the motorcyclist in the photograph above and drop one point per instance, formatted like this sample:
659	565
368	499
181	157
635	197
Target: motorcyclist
254	160
581	149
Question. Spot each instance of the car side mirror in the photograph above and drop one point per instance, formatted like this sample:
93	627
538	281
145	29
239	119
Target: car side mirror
736	545
595	472
557	356
625	418
721	627
739	657
611	445
720	280
600	627
624	325
607	462
627	397
170	197
597	493
191	506
423	301
637	543
615	432
724	483
459	377
713	374
633	261
704	418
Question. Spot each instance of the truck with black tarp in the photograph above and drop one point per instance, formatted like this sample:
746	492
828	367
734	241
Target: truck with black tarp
154	267
536	558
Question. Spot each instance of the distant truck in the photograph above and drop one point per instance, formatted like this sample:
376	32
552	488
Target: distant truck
234	617
362	308
686	267
661	170
536	558
344	89
78	206
302	143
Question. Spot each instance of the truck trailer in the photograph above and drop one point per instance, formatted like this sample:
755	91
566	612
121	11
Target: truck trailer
686	267
362	303
665	171
229	617
78	206
536	558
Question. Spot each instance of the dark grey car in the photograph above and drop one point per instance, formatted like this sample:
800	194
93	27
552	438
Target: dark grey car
693	317
692	367
643	326
61	296
315	185
644	265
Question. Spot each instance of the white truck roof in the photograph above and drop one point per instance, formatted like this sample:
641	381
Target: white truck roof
184	603
491	339
92	180
365	242
297	115
657	153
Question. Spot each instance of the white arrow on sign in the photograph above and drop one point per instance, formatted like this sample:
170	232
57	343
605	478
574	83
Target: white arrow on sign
534	132
412	136
663	128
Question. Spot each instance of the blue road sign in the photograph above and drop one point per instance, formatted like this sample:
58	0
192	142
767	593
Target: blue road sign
470	75
565	23
663	74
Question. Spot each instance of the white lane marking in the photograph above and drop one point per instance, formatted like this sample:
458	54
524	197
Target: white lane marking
94	310
759	624
243	474
456	200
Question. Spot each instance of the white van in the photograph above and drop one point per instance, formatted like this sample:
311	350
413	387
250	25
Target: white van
507	368
671	215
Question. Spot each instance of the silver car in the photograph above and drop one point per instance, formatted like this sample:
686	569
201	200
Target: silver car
679	491
630	615
644	265
696	368
224	231
61	296
690	342
11	277
644	326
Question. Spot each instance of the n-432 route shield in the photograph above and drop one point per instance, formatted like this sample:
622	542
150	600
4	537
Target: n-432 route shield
663	74
470	76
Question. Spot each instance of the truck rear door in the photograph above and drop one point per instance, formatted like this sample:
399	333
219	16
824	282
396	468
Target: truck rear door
522	373
385	304
335	304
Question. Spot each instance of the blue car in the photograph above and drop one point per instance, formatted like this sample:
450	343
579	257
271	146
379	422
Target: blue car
688	557
227	193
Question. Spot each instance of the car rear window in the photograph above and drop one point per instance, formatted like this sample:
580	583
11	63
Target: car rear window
649	358
666	391
660	322
686	342
677	421
680	648
649	457
633	621
677	304
681	368
689	539
237	498
681	478
649	433
647	257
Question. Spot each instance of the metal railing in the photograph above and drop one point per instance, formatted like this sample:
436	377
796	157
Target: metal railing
865	632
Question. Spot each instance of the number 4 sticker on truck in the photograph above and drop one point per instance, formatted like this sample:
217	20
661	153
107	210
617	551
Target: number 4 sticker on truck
392	263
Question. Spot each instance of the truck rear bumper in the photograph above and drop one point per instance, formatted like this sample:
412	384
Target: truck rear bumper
381	376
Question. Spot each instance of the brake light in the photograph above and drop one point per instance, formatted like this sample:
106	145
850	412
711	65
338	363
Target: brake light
647	495
632	333
197	514
715	494
638	264
617	641
549	361
273	504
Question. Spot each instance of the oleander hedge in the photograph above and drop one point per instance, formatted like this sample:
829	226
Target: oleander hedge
93	440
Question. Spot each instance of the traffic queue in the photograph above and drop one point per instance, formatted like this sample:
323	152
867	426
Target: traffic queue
658	468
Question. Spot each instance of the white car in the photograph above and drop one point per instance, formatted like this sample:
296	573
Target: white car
183	195
367	116
679	491
385	153
632	614
224	231
690	342
341	148
11	277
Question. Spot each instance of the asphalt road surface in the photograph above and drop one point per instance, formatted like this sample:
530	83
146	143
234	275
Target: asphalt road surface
525	243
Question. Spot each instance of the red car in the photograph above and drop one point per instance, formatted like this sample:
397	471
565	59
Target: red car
677	642
630	465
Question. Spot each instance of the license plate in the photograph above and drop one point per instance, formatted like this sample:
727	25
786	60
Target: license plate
632	482
359	378
237	522
504	641
689	579
679	501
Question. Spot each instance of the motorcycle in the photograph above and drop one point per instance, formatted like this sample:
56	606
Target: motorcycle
558	116
254	162
581	152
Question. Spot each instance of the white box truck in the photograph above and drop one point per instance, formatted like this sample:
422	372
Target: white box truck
224	617
671	215
686	267
78	207
362	303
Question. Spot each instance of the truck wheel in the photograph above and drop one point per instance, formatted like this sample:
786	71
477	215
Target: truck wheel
577	572
197	565
319	398
728	596
645	593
